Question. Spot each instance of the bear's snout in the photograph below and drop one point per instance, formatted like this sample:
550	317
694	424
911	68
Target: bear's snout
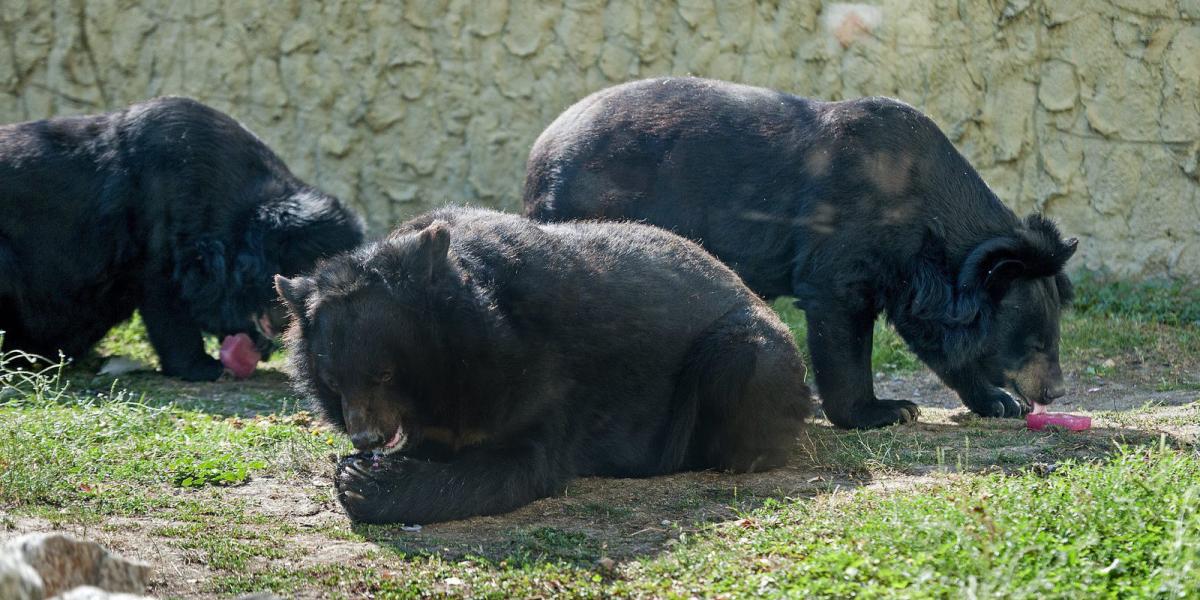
367	440
1040	380
1057	390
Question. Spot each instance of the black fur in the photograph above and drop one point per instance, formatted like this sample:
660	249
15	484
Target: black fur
513	357
853	207
168	207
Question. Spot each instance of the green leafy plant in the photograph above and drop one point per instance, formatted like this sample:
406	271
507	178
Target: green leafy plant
194	472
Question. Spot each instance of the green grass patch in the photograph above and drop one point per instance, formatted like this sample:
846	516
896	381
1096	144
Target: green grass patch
224	469
1130	528
549	544
1166	301
889	353
129	339
109	451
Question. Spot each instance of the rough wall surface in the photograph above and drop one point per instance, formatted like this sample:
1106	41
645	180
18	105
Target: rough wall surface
1088	110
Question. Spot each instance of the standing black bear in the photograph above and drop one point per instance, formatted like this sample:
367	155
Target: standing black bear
853	207
487	360
168	207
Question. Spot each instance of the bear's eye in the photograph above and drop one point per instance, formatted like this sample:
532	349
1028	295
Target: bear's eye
383	377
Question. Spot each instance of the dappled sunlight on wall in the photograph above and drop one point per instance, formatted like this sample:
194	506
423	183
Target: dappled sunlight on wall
1087	110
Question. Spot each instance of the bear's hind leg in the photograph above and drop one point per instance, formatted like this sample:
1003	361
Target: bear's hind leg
750	396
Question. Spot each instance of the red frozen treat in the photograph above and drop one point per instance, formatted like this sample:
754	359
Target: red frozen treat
1039	419
239	355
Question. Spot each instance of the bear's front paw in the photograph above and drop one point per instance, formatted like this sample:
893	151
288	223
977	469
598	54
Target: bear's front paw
362	482
208	369
996	403
888	412
878	413
359	484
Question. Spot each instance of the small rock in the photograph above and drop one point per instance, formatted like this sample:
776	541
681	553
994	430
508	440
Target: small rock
410	528
18	580
1043	469
120	365
1108	363
88	592
63	563
607	564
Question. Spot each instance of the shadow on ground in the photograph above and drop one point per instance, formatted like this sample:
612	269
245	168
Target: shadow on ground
268	391
630	518
616	518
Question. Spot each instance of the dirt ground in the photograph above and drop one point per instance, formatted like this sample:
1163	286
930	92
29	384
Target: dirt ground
621	519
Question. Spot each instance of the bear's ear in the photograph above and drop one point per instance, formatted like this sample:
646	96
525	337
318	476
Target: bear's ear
432	247
412	258
1046	251
1035	251
295	292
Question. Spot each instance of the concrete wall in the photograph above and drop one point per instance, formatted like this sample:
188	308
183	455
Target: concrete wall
1086	109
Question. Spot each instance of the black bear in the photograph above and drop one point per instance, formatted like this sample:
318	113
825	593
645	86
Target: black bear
479	361
853	207
168	207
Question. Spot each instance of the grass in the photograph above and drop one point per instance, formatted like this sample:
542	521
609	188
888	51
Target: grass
1170	302
1127	528
111	450
210	475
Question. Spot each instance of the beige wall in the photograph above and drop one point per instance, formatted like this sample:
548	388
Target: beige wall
1088	110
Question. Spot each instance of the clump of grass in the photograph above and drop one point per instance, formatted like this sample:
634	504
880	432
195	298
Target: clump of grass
24	375
549	544
223	469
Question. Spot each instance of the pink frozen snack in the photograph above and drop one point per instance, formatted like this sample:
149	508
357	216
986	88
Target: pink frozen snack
1039	419
239	355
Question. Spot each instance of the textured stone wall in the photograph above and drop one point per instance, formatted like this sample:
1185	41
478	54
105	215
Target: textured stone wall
1086	109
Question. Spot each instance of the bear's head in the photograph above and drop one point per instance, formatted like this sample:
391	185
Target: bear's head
226	279
997	321
369	336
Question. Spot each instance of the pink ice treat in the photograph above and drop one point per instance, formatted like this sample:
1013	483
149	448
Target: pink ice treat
239	355
1039	420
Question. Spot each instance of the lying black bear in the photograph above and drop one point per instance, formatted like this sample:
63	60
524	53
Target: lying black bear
487	360
853	207
168	207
